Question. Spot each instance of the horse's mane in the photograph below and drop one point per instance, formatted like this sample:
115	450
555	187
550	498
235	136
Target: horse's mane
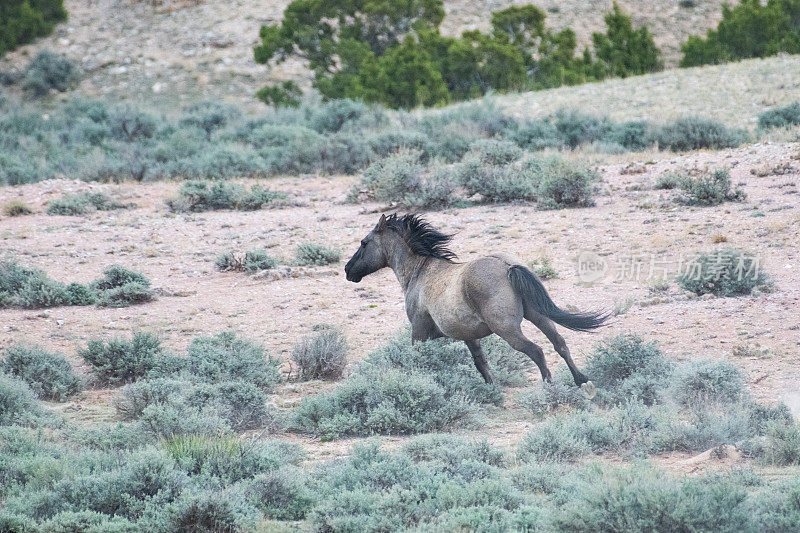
421	237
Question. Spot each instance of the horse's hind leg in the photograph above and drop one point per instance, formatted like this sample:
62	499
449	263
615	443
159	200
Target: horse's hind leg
512	334
480	360
548	327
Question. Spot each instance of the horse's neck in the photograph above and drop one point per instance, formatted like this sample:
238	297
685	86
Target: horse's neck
405	264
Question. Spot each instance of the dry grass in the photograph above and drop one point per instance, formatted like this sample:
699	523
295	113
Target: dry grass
733	94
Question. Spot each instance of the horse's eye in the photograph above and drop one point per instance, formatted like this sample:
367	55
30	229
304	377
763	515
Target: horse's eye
363	243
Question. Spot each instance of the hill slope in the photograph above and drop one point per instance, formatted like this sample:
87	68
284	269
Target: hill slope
130	47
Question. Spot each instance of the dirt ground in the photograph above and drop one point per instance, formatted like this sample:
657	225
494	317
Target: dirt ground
632	224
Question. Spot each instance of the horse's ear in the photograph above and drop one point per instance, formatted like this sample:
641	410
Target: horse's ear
381	223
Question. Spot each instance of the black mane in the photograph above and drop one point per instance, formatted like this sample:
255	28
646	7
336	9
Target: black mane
421	237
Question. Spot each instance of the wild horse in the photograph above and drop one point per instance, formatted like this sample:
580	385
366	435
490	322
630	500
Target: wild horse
467	301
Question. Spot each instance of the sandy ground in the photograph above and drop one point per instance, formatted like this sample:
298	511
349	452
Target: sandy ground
630	219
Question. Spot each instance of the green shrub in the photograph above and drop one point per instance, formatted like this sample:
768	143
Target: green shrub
120	287
198	196
209	116
30	288
18	404
640	498
625	368
322	355
287	94
253	261
401	389
16	208
80	204
723	272
494	152
496	183
710	189
668	181
553	396
576	129
23	21
50	71
214	511
544	270
164	408
49	375
402	179
310	254
708	381
564	184
780	117
226	357
436	483
782	446
281	495
117	361
693	133
750	29
623	51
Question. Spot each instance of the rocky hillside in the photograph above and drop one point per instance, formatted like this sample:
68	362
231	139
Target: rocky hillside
191	48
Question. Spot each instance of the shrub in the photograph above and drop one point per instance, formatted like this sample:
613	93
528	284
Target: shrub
129	125
668	181
708	381
214	511
120	287
401	389
22	21
80	204
723	272
780	117
50	71
496	183
287	94
164	408
750	29
18	404
310	254
544	269
710	189
623	51
253	261
225	357
575	128
196	196
16	208
208	116
693	133
117	361
626	368
440	483
334	115
322	355
782	447
639	498
281	495
564	184
49	375
401	178
30	288
552	396
493	152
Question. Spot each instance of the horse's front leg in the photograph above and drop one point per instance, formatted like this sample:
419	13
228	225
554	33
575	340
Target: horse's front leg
424	329
479	359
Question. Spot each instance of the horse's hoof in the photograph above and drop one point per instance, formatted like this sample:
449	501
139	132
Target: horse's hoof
588	389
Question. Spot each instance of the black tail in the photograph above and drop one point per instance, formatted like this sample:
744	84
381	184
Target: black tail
535	297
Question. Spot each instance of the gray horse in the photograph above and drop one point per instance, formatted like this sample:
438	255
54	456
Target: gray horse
466	301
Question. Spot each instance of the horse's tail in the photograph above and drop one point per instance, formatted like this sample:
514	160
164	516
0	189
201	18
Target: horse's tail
535	297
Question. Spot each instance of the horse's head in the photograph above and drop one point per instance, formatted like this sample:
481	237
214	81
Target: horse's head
371	255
